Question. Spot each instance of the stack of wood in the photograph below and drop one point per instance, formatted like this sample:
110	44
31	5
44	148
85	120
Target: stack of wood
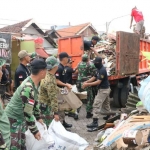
107	50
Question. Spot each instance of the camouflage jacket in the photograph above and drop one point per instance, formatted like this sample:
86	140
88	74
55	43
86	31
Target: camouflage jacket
86	70
24	104
49	92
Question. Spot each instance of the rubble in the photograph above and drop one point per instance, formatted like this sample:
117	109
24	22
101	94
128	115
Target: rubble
129	133
107	50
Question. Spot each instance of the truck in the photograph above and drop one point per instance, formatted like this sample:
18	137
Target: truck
131	67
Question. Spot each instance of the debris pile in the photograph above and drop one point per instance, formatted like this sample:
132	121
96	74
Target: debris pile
129	132
107	50
132	130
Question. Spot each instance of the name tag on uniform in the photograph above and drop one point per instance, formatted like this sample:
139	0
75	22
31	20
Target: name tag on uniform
57	74
28	109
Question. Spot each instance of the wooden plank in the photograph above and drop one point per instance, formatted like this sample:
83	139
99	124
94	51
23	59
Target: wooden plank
139	120
139	117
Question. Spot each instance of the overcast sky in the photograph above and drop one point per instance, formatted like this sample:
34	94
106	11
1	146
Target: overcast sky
61	12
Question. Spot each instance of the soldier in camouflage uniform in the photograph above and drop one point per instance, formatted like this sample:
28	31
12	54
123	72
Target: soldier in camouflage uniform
4	122
24	108
86	70
49	92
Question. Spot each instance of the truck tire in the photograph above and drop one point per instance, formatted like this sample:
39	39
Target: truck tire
116	97
124	91
124	96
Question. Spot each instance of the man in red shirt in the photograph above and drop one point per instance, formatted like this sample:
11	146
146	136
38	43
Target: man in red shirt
139	19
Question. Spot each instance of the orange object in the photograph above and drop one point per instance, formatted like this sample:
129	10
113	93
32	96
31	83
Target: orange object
72	46
143	65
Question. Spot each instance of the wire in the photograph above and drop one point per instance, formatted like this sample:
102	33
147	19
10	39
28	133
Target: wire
61	30
50	24
34	28
120	17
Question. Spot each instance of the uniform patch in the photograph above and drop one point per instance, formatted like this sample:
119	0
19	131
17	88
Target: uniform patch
57	74
20	76
102	76
31	101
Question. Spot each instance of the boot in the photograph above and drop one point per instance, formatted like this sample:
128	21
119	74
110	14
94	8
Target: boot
89	115
76	117
71	114
94	124
106	117
66	125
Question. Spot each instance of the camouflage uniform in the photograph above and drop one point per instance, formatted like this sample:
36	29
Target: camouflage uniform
4	130
22	111
48	97
85	71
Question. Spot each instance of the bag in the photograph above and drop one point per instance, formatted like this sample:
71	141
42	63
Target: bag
65	140
72	100
46	143
68	101
144	93
144	89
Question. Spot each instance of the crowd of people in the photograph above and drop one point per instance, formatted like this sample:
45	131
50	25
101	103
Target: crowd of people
39	84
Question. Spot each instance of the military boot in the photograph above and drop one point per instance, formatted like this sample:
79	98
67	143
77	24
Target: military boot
106	117
94	124
89	115
66	125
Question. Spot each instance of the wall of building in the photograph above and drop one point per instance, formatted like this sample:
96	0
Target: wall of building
31	30
88	32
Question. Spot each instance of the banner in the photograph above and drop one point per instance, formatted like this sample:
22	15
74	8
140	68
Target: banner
5	47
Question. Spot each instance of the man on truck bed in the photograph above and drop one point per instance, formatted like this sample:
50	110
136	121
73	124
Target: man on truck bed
89	45
102	98
139	19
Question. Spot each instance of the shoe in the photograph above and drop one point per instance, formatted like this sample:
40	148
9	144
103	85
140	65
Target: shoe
106	117
94	124
75	117
70	114
89	115
66	125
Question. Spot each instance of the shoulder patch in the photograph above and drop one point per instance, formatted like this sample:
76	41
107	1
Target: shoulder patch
102	76
31	101
57	74
20	76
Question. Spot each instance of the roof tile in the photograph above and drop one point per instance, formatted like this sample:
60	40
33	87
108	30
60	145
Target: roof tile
71	31
15	28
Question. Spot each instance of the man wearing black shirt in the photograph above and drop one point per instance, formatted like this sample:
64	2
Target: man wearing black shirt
89	45
69	72
61	81
22	72
102	97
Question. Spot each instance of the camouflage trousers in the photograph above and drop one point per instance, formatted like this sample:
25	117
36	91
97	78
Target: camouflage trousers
17	129
91	93
47	115
3	145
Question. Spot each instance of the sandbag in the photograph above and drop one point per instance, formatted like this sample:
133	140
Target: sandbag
46	143
65	139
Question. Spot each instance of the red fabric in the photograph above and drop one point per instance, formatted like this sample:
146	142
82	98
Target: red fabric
137	15
41	52
39	40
